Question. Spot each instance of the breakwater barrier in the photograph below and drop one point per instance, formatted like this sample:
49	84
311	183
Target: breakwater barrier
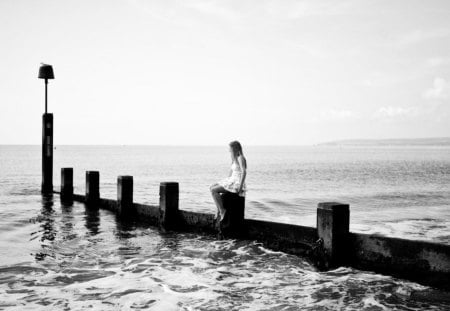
330	244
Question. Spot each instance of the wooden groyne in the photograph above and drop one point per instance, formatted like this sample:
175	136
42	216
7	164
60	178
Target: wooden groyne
329	245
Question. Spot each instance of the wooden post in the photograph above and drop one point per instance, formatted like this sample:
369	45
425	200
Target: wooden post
333	221
92	187
233	223
47	153
66	184
125	195
168	204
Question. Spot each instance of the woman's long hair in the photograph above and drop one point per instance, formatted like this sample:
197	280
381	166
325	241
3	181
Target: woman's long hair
236	148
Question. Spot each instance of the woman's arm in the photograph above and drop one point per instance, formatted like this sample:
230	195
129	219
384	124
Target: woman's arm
243	165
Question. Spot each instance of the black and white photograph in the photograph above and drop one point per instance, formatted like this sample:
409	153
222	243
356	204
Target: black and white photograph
184	155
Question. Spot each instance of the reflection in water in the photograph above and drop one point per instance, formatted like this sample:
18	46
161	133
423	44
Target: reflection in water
47	227
92	220
125	233
125	228
67	221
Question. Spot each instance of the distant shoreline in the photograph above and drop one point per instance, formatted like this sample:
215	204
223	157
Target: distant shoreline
435	141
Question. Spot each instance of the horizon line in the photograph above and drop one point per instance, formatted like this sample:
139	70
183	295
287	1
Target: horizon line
218	145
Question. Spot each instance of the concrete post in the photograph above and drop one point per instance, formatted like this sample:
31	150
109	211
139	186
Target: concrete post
92	187
66	184
125	195
168	204
47	153
233	223
333	221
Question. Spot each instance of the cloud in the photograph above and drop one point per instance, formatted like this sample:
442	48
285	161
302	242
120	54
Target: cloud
439	90
395	112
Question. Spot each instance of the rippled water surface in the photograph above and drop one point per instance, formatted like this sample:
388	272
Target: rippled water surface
66	257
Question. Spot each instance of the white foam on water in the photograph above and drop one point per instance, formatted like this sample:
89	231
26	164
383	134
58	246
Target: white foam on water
406	223
248	279
370	302
183	272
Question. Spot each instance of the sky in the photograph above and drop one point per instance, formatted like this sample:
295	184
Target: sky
194	72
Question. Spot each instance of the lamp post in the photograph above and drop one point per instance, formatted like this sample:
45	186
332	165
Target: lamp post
46	72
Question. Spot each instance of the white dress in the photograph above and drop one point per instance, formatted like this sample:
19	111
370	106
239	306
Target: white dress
233	182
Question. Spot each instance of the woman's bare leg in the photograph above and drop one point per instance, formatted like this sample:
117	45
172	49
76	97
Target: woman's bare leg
214	199
215	192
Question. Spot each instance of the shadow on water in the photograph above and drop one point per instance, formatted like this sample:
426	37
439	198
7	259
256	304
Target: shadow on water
47	226
126	227
125	234
92	220
67	221
131	233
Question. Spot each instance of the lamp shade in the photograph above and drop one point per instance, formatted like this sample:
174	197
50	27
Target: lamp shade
46	72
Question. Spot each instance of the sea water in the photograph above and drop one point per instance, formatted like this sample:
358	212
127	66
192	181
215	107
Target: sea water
64	257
